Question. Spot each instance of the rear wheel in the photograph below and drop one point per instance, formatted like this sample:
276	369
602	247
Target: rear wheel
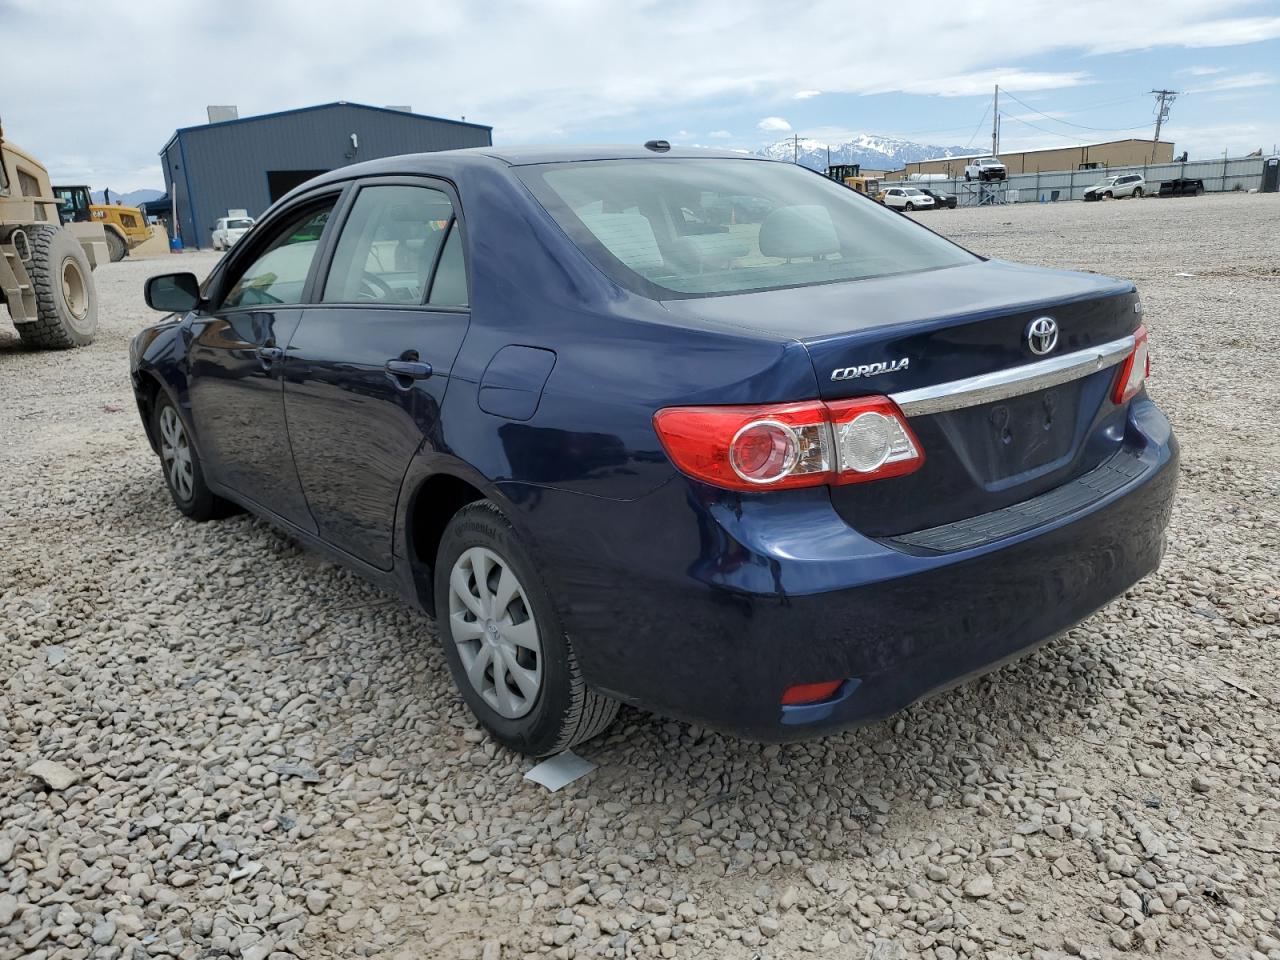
116	247
66	301
504	642
183	473
1137	191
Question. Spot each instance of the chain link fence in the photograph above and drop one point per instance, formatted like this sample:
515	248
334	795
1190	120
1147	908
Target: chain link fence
1227	174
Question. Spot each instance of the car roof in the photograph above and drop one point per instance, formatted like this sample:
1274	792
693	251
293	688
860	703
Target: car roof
518	156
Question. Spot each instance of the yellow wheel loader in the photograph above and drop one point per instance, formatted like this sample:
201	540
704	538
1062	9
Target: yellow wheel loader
126	227
46	278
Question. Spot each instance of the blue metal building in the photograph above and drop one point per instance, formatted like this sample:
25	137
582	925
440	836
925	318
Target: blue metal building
251	162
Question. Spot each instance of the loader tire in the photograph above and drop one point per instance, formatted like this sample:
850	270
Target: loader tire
116	247
66	300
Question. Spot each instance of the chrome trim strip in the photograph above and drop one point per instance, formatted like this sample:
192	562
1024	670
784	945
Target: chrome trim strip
1013	382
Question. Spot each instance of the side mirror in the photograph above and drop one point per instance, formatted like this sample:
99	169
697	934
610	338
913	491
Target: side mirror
173	292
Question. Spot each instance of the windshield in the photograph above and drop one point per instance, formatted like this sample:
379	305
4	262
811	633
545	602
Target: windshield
693	227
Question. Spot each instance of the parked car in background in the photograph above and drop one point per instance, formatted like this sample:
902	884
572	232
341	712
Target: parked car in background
940	197
228	231
985	168
1181	187
1129	185
778	476
907	198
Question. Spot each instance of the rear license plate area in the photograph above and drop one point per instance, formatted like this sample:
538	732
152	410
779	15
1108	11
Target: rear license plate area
1011	437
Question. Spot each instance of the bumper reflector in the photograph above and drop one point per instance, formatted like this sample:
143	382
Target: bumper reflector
810	692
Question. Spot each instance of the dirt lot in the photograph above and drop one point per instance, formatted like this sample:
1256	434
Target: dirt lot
269	759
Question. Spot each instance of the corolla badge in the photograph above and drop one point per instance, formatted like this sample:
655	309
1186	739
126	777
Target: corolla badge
1042	335
870	369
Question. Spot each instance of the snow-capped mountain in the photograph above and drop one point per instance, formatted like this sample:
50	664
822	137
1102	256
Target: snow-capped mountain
874	153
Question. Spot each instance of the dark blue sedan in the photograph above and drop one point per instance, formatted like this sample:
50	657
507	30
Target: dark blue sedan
709	435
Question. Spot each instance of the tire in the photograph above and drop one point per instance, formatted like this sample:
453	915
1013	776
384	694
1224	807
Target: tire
908	205
1137	193
186	484
553	709
66	299
967	178
1108	196
116	247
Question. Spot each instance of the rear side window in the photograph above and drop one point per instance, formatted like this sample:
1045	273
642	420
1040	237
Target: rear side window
389	246
279	274
695	227
449	288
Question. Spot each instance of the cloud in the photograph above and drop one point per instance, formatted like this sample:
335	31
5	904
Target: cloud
806	94
1201	71
1236	81
720	135
774	125
984	82
585	70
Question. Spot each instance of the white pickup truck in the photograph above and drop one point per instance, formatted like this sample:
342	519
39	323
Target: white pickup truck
985	168
230	229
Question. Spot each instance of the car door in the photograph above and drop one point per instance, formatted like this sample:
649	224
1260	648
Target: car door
236	357
370	362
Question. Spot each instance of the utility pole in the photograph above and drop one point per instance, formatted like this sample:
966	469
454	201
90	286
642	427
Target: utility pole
995	124
795	148
1164	100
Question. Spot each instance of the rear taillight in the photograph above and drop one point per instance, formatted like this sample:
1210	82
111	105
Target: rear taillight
778	446
1135	370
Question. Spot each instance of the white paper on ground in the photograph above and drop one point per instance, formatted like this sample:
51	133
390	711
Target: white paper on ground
563	768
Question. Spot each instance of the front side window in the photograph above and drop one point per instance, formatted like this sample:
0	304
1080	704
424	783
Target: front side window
279	274
700	227
389	246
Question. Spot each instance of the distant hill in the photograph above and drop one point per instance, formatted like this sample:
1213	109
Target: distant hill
873	152
130	199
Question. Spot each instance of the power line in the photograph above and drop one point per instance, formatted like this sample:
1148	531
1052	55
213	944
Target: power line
978	127
1070	123
1052	133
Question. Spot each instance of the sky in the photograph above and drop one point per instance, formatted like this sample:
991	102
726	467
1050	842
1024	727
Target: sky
95	89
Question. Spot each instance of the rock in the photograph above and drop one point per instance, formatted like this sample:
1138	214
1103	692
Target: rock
56	775
103	932
980	886
768	927
318	900
937	873
8	908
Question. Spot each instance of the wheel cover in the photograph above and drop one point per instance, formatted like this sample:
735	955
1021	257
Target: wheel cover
491	622
175	452
74	290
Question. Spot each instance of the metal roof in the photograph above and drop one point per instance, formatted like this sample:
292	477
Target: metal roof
319	106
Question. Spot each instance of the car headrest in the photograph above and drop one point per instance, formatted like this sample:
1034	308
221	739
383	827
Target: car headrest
628	236
799	231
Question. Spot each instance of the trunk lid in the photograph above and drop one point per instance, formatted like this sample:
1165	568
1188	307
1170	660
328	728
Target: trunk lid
900	334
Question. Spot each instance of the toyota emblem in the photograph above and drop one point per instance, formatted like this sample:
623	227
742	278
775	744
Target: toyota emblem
1042	335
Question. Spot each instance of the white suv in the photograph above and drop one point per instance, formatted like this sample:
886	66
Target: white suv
1130	185
907	198
985	168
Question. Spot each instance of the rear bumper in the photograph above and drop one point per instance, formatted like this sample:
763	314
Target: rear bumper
708	607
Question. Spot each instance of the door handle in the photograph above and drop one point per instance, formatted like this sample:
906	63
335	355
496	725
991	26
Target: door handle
409	369
270	354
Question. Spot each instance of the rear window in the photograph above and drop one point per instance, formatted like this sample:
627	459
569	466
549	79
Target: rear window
682	227
239	224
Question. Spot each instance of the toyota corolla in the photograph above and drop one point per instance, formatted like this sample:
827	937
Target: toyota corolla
708	435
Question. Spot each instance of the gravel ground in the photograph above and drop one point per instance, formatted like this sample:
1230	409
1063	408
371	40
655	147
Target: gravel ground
213	744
